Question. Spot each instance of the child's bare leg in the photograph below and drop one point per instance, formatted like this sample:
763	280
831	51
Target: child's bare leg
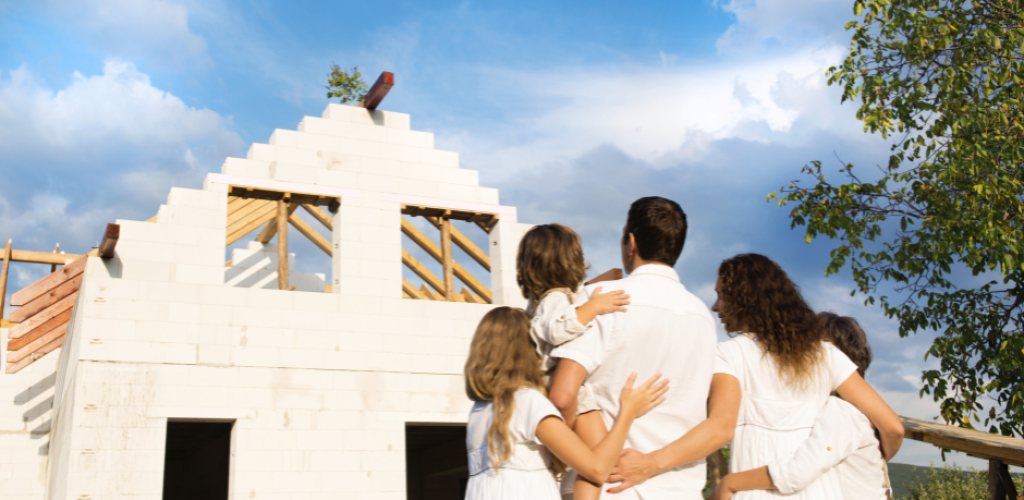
590	428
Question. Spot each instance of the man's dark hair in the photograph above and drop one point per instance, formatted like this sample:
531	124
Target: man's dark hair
659	227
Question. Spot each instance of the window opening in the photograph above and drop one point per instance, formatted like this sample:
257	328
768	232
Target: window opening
269	260
453	266
197	460
435	460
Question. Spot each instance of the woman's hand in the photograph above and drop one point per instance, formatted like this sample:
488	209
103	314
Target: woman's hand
634	403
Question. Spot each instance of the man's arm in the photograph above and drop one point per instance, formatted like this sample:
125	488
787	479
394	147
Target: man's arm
569	376
707	437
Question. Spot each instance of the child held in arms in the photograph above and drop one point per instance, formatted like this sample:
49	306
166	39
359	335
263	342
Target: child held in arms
550	270
842	437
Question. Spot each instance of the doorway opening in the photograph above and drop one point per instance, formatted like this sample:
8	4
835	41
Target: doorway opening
435	461
197	460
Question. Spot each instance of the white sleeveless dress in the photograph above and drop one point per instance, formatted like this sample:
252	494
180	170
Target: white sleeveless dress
526	475
775	418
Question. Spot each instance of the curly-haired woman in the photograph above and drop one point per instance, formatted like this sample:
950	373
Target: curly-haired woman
785	369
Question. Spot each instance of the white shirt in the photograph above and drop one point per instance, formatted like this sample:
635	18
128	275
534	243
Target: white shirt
529	453
776	416
843	438
526	475
554	323
665	329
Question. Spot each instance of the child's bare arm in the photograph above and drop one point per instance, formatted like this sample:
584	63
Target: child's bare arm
601	303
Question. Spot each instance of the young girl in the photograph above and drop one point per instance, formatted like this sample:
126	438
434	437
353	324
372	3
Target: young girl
513	429
550	270
842	438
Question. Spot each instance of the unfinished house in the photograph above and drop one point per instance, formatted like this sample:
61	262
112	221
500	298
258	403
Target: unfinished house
165	366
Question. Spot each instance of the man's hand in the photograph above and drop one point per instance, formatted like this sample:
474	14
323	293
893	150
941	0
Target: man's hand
632	469
724	491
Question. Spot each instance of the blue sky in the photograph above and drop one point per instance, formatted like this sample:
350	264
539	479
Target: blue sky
571	109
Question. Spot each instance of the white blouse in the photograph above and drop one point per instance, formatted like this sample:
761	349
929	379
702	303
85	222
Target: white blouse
842	438
776	417
527	473
554	323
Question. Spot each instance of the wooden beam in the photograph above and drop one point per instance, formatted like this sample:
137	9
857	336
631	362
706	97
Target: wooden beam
410	290
466	244
461	273
42	351
21	329
446	258
110	237
248	212
310	233
3	276
470	298
34	345
1008	449
282	245
47	299
49	282
239	205
422	271
430	294
38	257
379	90
270	230
151	219
488	224
41	330
247	227
53	267
319	214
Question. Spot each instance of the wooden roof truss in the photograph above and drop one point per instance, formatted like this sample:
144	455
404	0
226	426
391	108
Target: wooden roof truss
443	288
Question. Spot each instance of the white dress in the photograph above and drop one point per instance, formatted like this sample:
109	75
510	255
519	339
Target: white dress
526	475
775	418
553	322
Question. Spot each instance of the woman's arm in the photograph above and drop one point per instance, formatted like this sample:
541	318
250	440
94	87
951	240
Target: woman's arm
861	395
707	437
597	463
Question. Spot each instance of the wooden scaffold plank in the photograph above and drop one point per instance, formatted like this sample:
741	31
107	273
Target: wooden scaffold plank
42	351
466	244
49	282
21	329
47	299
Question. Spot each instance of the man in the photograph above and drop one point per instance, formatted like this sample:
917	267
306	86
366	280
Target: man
666	330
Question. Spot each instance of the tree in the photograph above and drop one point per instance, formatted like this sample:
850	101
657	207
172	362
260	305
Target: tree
348	86
952	483
940	223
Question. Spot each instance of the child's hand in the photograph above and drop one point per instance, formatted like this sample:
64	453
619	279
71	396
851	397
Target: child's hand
604	303
639	401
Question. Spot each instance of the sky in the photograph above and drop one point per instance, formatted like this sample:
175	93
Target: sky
572	109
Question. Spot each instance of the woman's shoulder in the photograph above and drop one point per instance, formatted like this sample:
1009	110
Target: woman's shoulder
741	342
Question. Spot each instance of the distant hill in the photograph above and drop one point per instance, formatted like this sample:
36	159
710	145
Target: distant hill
901	476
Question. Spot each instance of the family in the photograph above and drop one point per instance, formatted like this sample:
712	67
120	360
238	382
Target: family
620	388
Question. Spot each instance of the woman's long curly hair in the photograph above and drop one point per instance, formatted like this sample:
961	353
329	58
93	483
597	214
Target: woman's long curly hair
550	256
758	297
502	360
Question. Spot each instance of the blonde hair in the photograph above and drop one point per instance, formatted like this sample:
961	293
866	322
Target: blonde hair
550	256
502	360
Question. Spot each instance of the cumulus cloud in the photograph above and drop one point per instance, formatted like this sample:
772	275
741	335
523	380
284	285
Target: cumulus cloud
104	147
782	21
141	30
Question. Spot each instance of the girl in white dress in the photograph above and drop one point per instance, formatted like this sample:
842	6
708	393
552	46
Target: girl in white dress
550	270
785	371
513	429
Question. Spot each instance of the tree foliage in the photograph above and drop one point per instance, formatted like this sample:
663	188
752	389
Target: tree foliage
952	483
940	222
349	86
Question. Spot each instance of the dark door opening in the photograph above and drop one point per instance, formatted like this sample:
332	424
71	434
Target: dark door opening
435	462
197	460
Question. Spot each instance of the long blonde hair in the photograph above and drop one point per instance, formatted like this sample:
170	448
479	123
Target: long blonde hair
502	360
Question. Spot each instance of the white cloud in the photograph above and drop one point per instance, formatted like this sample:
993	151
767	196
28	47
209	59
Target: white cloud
804	21
141	30
104	147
